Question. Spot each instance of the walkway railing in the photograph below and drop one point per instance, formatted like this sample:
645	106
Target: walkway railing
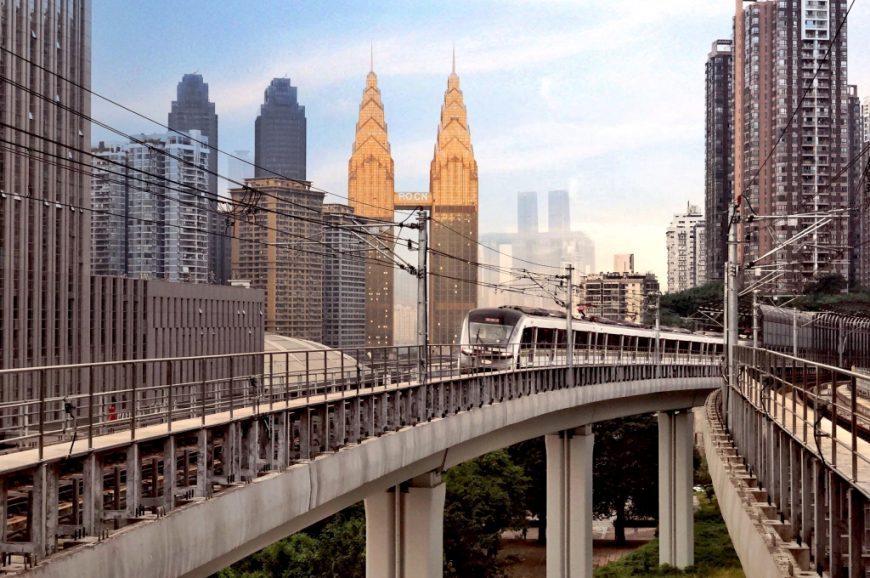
799	429
44	405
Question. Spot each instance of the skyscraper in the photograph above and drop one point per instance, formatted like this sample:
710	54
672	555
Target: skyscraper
192	110
44	217
527	212
801	170
453	191
686	247
280	133
559	212
370	190
151	216
719	152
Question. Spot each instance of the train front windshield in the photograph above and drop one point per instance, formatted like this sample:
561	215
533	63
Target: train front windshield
490	329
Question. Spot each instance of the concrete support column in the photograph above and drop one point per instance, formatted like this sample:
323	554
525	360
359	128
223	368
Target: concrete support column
282	440
381	534
92	508
569	503
134	480
856	534
676	539
170	473
405	530
423	526
203	467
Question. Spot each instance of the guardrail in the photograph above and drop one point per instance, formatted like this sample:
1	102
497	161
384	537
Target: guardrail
799	395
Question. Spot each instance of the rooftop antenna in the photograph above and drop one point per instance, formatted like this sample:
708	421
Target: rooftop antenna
372	57
454	57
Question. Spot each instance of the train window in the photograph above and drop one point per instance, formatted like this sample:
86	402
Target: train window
612	341
644	343
561	339
580	338
670	346
528	337
546	336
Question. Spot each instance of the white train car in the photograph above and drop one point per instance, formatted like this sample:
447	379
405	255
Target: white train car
515	337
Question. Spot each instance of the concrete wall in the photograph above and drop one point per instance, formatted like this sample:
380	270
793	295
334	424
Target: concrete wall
747	535
201	538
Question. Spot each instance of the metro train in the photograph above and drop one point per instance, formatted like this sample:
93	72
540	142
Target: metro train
514	337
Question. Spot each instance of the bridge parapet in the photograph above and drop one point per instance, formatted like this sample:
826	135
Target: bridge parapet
795	442
190	439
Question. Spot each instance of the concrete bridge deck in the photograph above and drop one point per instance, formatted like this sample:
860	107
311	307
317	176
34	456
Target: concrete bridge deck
262	473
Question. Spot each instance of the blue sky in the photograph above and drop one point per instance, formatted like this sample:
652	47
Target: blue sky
604	98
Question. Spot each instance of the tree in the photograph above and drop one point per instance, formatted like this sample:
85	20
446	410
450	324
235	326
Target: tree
334	547
531	455
485	496
625	470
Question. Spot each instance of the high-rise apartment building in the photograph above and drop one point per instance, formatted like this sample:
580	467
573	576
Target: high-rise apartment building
719	153
280	133
787	164
453	190
278	249
344	279
617	296
559	212
151	208
527	212
686	245
192	110
44	217
858	232
371	192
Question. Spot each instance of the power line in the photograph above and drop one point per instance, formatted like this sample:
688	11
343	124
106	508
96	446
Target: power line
212	147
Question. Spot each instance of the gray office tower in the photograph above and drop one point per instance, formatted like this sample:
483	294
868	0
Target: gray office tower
719	165
44	200
527	212
559	209
193	111
279	133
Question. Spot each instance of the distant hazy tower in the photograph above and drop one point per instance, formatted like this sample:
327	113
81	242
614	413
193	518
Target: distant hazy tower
559	210
719	166
453	189
527	212
371	192
280	133
193	111
623	263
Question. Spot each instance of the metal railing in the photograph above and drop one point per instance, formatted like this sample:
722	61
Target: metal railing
45	405
818	405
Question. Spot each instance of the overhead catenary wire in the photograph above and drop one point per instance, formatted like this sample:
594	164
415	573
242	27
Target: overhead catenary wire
216	149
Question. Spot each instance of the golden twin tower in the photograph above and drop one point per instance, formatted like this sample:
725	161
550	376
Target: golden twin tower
452	199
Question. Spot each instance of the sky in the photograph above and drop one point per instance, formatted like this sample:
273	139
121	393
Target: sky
603	98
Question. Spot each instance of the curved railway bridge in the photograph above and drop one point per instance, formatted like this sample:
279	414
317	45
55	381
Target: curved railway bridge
220	456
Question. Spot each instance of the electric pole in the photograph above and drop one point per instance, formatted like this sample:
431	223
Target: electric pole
422	295
569	303
731	319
